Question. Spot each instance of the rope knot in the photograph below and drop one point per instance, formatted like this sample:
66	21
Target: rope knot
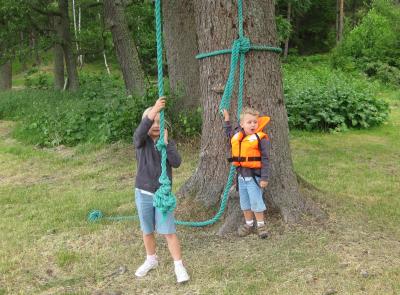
160	145
244	44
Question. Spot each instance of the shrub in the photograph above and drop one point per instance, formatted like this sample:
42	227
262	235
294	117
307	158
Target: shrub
320	99
37	79
374	45
99	112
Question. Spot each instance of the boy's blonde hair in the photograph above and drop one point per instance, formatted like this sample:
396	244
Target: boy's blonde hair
249	111
146	112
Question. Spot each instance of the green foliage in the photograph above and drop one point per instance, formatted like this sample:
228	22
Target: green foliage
37	79
190	123
374	45
314	25
187	124
100	112
284	28
321	99
140	18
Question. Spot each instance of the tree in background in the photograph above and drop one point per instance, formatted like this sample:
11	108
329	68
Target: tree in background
45	13
294	8
66	44
58	69
339	20
5	75
126	50
373	45
14	25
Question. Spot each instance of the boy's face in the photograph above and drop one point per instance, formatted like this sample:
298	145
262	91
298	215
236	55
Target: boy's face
249	123
154	131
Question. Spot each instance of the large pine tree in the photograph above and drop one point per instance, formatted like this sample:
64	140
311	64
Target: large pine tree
216	29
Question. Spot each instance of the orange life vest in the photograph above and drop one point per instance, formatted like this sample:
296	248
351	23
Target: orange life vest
246	149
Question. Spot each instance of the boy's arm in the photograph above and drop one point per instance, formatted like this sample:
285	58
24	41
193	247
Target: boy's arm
265	146
140	135
139	138
227	124
173	156
228	128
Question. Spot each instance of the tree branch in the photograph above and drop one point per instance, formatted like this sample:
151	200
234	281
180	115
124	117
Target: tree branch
44	12
92	5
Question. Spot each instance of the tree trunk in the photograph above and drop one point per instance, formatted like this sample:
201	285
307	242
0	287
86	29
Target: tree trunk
22	57
289	12
66	43
6	76
34	48
58	57
181	48
216	29
127	54
339	20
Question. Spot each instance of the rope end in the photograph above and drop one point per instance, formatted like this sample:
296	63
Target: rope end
94	215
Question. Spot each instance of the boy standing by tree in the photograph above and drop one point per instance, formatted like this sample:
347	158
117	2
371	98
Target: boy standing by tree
250	154
148	172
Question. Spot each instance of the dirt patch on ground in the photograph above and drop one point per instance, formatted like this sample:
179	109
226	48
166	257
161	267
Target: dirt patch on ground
6	128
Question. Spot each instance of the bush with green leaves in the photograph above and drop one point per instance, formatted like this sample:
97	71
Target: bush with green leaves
374	45
322	99
99	112
37	79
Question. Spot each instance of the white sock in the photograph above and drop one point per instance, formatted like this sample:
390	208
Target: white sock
152	258
260	223
250	222
178	263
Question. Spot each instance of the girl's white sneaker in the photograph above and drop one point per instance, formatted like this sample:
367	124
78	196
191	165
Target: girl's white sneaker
146	267
181	274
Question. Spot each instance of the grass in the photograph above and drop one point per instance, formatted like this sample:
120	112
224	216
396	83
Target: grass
47	247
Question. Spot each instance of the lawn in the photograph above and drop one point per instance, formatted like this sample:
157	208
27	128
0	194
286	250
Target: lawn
47	247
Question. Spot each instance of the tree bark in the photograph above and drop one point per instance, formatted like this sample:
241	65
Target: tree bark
58	57
34	48
126	51
216	29
339	20
289	12
22	57
66	43
6	76
181	48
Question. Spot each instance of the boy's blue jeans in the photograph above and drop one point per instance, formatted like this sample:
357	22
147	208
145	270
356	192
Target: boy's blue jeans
250	194
151	219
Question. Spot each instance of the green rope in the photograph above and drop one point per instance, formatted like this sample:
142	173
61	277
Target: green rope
164	200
